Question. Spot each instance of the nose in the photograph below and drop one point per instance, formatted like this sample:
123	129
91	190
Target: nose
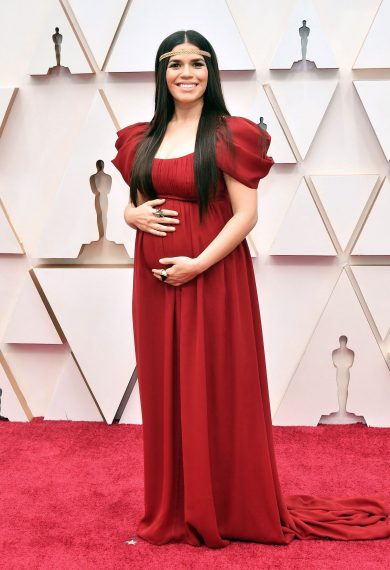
186	71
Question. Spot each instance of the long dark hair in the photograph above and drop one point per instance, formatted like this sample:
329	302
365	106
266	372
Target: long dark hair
213	111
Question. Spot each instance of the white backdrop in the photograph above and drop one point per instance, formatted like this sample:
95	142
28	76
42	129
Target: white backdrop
60	285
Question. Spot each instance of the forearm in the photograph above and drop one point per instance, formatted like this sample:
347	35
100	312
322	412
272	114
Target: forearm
232	234
131	205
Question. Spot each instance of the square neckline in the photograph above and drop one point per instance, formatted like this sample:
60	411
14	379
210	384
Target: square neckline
174	157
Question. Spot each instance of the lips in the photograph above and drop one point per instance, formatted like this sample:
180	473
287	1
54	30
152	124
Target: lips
186	85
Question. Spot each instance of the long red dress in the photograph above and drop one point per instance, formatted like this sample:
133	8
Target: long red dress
210	474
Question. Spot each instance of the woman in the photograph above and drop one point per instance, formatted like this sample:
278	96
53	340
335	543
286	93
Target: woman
209	466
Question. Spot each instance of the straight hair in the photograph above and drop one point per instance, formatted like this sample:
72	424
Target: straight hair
212	118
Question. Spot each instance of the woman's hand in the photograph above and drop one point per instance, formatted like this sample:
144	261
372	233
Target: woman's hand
143	217
183	269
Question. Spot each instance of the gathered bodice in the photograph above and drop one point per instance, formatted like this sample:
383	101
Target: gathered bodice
174	178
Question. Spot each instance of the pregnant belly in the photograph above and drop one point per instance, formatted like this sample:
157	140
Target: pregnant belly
190	237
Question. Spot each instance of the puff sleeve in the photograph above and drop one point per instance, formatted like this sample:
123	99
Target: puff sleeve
126	144
249	161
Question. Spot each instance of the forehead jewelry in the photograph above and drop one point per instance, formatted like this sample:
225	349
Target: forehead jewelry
179	51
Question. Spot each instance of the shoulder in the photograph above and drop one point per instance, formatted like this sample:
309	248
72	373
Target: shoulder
131	133
243	127
126	144
134	128
242	152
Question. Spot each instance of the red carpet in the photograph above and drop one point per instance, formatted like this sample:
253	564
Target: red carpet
72	493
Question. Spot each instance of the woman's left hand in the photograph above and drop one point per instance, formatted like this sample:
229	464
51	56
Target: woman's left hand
182	269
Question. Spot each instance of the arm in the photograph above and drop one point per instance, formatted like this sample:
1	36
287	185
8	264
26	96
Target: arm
244	205
127	213
142	217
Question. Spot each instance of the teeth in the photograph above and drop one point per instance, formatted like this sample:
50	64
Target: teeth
187	85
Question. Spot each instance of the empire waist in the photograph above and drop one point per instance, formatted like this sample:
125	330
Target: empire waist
189	238
188	198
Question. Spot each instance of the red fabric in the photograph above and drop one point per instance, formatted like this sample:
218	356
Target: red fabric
210	474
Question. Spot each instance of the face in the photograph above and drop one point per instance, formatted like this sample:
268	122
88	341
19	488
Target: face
186	75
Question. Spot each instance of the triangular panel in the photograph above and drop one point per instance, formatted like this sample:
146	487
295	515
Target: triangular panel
303	104
10	405
7	97
302	231
294	294
375	52
312	390
30	322
9	242
289	49
93	308
71	399
344	198
262	112
375	96
77	211
99	31
72	58
140	29
132	413
375	235
374	283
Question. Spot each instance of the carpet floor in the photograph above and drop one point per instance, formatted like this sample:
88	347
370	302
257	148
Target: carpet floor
72	493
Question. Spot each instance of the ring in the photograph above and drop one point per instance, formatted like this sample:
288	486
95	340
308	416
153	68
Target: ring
164	274
158	213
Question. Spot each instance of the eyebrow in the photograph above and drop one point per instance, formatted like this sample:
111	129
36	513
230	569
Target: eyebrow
193	59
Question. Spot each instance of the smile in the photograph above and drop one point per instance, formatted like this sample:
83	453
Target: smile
186	85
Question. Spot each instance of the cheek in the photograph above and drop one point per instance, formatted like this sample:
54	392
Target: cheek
169	80
205	76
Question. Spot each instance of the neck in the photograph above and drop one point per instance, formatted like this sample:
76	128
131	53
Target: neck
187	112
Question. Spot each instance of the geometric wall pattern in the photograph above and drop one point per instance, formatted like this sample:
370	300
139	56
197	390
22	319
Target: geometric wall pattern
30	322
302	231
92	197
7	96
98	32
66	309
13	403
375	51
343	198
303	104
315	376
262	110
72	56
92	306
289	49
71	399
374	238
374	283
375	96
219	25
9	242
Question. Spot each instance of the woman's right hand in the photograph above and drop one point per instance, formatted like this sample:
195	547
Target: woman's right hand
143	217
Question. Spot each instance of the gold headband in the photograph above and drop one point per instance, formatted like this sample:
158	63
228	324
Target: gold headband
177	52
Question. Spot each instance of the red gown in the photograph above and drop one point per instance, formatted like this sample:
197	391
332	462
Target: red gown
210	474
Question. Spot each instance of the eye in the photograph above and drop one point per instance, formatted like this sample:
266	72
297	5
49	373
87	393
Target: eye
173	64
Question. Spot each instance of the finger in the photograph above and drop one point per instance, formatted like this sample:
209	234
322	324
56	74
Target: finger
156	201
166	282
157	226
156	273
167	260
155	232
166	220
170	212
